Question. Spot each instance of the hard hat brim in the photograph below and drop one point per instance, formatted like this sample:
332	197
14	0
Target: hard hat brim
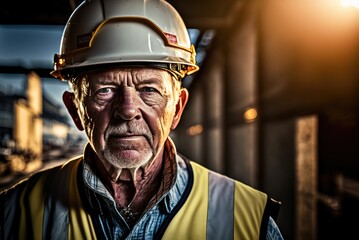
71	70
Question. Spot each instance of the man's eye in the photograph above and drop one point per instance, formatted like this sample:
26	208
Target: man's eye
105	90
148	89
105	94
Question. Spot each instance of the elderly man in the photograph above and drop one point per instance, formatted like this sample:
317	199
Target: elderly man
124	61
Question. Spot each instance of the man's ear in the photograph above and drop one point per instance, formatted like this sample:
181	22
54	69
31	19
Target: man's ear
180	106
68	99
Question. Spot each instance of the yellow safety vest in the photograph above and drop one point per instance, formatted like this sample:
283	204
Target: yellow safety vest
216	207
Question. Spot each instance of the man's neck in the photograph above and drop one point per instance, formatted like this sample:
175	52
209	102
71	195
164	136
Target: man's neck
133	189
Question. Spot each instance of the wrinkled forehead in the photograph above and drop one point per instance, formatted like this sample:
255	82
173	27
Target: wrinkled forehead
133	74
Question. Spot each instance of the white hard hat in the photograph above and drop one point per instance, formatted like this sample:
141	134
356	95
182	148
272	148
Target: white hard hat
144	32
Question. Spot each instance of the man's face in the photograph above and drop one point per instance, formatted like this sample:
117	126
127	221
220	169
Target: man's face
128	114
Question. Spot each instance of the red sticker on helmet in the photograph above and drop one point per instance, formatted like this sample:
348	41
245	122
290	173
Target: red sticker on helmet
171	38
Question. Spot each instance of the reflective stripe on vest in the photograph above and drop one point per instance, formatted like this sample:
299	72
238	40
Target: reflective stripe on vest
80	223
218	208
37	210
32	210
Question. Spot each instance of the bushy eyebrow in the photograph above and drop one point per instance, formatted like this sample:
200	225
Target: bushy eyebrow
151	80
105	82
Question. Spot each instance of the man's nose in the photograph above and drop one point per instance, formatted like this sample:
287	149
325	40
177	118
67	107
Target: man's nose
127	104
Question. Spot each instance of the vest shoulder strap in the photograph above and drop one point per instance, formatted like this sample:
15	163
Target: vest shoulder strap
217	206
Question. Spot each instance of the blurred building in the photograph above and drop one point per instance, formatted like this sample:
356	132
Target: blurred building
22	130
33	129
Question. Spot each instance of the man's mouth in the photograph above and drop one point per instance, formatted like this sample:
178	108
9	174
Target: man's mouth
131	137
126	140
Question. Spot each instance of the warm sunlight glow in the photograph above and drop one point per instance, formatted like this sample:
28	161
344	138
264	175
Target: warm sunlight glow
350	3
